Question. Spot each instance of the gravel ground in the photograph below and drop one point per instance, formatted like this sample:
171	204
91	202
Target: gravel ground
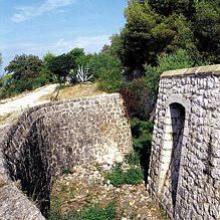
86	186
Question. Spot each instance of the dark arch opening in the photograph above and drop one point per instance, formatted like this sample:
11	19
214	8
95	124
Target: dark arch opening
177	113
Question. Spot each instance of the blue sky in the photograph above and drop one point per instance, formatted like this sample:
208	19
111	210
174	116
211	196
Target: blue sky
39	26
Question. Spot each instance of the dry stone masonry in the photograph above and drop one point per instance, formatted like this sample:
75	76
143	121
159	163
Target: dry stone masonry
49	139
185	162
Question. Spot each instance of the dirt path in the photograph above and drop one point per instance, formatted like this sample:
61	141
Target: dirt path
29	100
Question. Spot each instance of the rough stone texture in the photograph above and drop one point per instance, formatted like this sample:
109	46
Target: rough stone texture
86	186
48	139
185	161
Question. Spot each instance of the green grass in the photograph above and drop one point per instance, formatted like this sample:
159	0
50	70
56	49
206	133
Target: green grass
118	177
94	212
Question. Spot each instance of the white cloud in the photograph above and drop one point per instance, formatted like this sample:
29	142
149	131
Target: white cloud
91	44
27	12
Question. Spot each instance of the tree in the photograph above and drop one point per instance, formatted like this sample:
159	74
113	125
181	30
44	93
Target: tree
156	27
207	29
77	55
167	7
148	34
45	72
107	70
24	67
61	66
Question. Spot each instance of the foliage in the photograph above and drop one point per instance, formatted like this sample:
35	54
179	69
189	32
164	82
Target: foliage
158	27
45	72
94	212
79	57
148	34
83	74
141	131
132	159
178	60
137	99
67	171
142	136
207	29
24	67
23	73
107	70
167	7
61	66
118	177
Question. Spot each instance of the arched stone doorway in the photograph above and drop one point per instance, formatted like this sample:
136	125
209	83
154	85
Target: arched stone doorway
171	150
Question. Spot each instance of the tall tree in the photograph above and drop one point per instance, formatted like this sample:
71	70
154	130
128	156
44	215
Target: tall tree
206	28
61	66
148	34
24	66
155	27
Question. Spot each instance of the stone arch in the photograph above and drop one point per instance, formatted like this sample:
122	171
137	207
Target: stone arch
171	151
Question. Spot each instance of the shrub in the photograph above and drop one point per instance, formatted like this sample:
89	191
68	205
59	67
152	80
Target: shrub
138	100
67	171
94	212
118	177
133	159
107	70
178	60
142	136
133	176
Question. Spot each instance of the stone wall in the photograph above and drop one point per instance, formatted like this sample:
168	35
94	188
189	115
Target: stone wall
185	162
48	139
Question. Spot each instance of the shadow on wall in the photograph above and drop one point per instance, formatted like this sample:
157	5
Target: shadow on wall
33	168
177	113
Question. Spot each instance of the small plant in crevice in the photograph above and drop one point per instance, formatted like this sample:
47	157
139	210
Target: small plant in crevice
67	171
133	159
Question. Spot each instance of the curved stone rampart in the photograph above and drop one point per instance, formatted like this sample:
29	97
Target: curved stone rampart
48	139
185	160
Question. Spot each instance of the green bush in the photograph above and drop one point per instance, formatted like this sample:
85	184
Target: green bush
118	177
138	100
94	212
107	71
133	176
133	159
142	134
178	60
12	87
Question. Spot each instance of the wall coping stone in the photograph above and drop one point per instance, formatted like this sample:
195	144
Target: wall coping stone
201	70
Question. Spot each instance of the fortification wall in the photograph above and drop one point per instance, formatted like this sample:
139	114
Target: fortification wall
48	139
185	160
